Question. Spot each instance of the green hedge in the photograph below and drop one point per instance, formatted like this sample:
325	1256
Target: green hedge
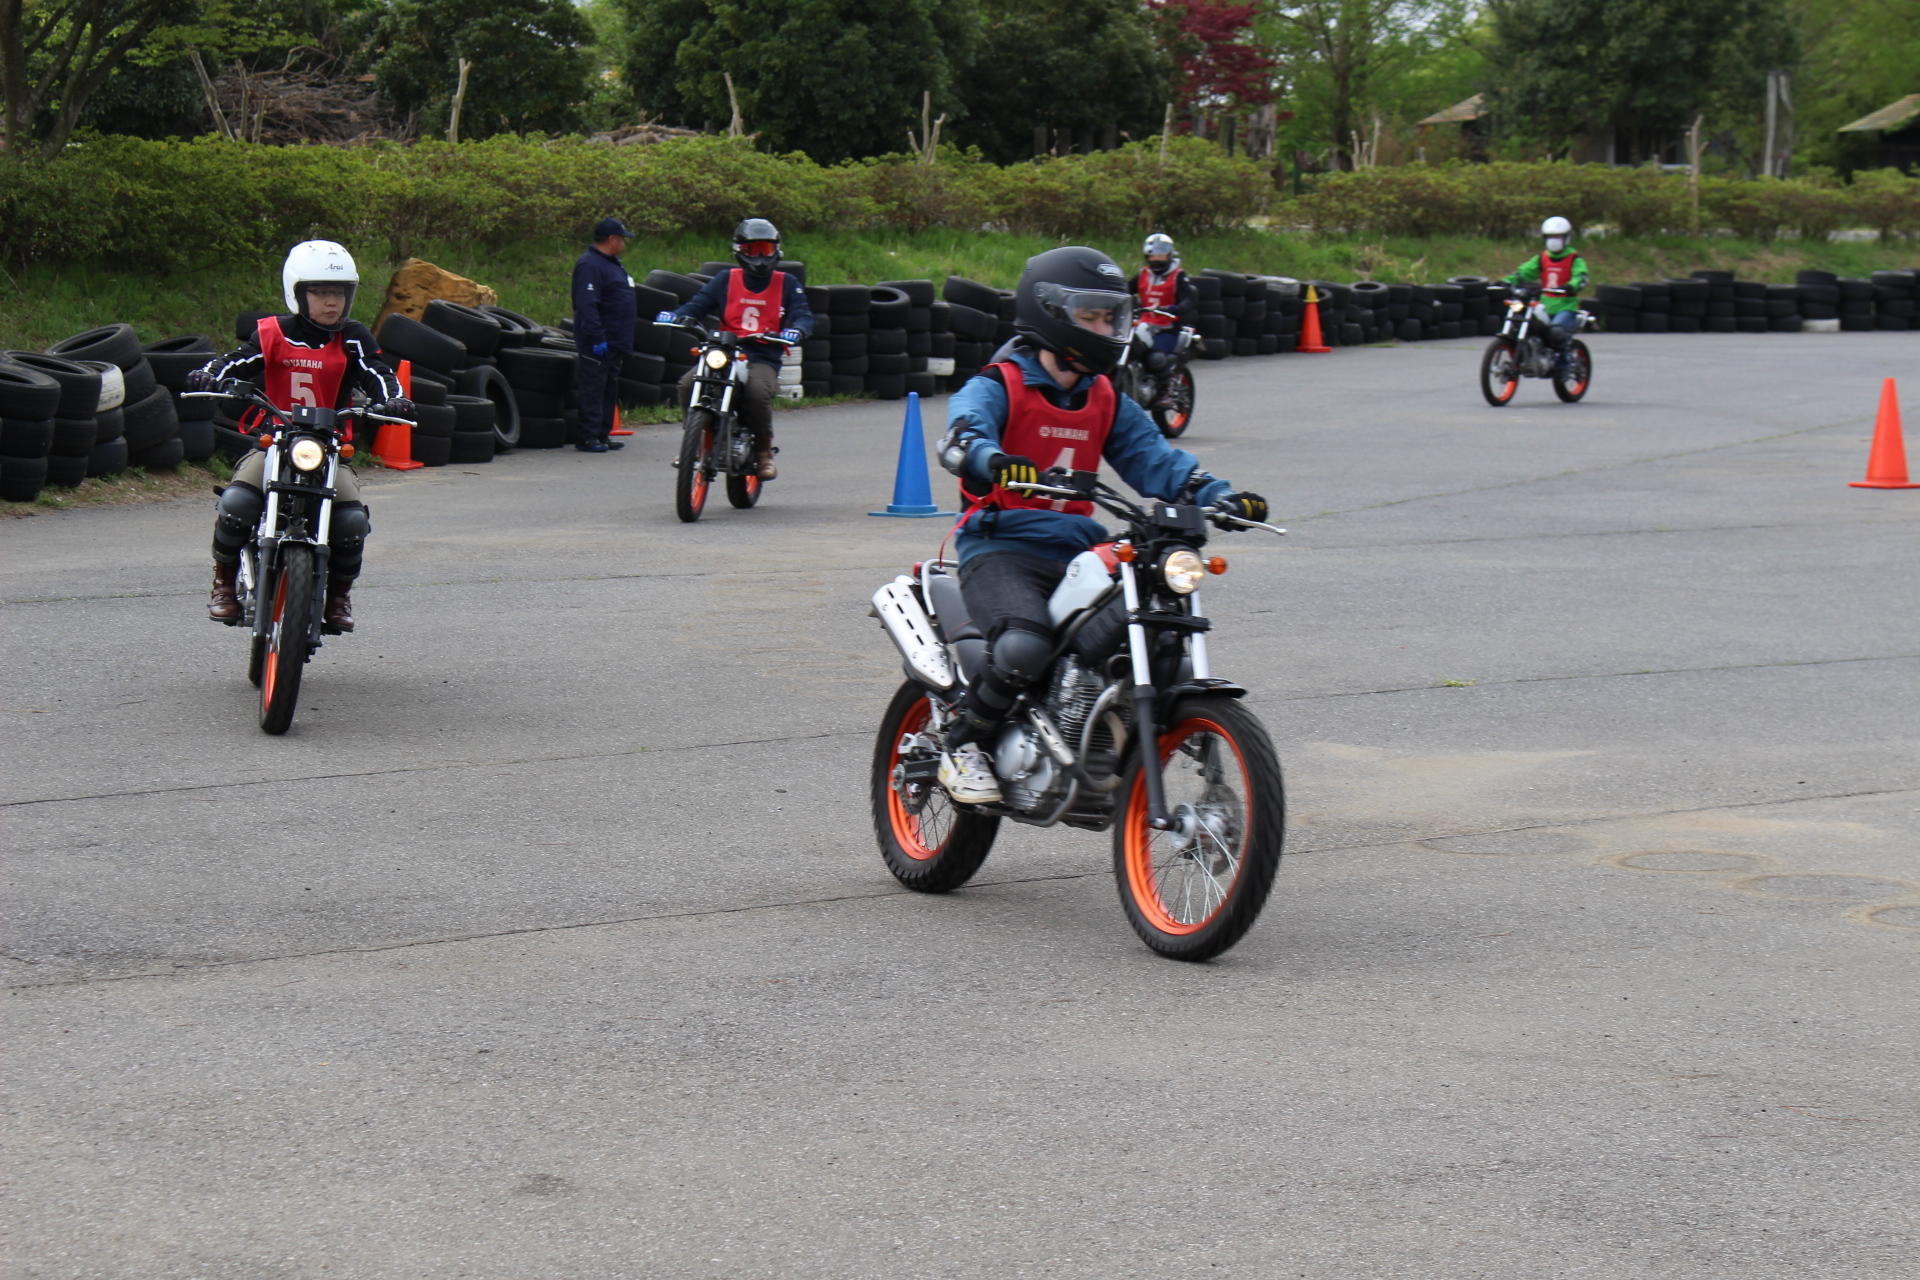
184	204
1509	200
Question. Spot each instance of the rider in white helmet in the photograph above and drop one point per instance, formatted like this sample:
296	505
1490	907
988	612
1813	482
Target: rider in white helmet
313	356
1161	283
1561	273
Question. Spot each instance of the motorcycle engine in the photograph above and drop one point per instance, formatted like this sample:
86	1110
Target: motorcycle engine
1029	778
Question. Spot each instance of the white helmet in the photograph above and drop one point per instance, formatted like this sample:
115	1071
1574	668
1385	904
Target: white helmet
1159	245
317	262
1557	231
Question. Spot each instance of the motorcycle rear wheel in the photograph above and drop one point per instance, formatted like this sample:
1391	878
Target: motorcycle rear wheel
1173	407
1193	891
1500	372
1573	384
744	490
930	844
289	602
692	480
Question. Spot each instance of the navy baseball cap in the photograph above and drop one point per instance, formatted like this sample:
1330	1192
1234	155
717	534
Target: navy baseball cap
610	227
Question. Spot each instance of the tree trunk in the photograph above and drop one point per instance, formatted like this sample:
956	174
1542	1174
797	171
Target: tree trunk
459	101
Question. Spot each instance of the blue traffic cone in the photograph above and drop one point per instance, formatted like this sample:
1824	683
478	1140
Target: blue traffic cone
912	495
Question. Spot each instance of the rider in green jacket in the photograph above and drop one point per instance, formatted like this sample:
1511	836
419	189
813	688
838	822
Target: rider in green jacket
1561	273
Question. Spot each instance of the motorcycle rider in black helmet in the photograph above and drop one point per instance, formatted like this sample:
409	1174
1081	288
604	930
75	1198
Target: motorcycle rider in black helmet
752	298
1045	402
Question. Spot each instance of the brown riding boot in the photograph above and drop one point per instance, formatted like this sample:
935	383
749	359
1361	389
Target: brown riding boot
338	614
222	604
763	452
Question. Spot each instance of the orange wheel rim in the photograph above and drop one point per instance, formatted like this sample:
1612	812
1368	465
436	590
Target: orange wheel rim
753	485
909	831
700	467
1203	881
271	676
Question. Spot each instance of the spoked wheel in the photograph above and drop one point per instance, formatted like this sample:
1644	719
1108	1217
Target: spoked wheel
690	483
1573	384
1173	407
289	621
1192	890
256	645
744	490
1499	372
930	843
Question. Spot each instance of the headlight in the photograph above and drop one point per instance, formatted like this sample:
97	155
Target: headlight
307	454
716	359
1182	571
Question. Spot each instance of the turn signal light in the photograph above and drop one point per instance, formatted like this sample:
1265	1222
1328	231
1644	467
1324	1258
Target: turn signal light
1124	552
263	439
346	451
1218	564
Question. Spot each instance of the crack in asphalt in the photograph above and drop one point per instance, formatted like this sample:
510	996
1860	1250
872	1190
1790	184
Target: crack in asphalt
185	969
517	761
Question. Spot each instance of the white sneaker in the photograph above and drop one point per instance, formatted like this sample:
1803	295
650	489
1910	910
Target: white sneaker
968	777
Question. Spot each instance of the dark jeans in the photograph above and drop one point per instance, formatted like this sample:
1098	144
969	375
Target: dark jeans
753	402
1003	586
596	383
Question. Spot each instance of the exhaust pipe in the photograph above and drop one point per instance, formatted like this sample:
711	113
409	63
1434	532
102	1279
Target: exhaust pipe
912	633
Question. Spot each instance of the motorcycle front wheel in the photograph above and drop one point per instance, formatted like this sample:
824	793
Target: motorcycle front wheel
1573	384
691	481
931	844
1500	371
1173	407
1193	890
288	600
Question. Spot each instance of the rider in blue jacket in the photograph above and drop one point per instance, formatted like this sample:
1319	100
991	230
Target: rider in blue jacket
1045	402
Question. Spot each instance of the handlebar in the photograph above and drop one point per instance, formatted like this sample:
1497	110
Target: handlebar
246	391
705	334
1085	486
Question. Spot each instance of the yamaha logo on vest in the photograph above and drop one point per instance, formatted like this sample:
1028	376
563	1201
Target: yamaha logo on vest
301	362
1063	433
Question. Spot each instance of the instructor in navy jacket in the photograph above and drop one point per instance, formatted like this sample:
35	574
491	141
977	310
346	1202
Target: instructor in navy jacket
603	320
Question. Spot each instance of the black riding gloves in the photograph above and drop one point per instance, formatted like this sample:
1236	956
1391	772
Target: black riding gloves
201	380
1248	506
1012	471
396	407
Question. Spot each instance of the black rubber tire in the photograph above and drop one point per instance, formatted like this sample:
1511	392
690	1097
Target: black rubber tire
246	324
109	424
150	421
548	431
744	491
21	479
108	458
1262	818
887	307
165	456
488	383
477	331
230	444
432	451
691	482
1173	420
1504	392
537	369
971	293
919	292
114	343
172	359
472	446
404	338
79	383
26	437
65	472
953	859
28	393
289	622
1581	362
681	287
471	413
74	437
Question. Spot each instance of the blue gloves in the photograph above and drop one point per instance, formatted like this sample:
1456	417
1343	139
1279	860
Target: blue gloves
599	351
792	335
666	317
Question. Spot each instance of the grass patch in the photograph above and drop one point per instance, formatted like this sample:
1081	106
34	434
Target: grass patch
134	485
42	305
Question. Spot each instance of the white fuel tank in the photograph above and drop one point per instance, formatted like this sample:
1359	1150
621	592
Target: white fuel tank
1087	578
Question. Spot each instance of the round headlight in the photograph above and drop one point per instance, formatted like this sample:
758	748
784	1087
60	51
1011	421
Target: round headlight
307	454
1183	570
716	359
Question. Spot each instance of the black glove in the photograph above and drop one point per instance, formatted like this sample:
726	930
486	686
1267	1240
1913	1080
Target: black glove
201	380
1013	471
1248	506
397	407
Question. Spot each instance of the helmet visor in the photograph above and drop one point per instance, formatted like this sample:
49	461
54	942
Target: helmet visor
758	248
1102	312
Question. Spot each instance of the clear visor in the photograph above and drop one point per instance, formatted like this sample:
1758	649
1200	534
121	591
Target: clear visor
1099	311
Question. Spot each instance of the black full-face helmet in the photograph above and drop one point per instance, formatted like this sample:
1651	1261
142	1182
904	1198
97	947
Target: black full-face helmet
1074	302
756	246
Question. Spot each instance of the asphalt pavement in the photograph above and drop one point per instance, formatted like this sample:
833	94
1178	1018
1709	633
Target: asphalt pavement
553	940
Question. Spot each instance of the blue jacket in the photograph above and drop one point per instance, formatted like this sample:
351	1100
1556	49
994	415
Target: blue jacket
603	303
712	301
1135	448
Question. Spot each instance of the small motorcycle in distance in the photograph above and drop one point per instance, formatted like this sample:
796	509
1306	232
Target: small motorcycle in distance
1521	350
282	580
1128	730
1168	395
715	442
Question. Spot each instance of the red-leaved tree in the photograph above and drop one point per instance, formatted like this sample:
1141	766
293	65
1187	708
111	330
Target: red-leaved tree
1222	73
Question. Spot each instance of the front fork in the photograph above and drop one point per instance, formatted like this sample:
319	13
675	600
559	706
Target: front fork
1146	728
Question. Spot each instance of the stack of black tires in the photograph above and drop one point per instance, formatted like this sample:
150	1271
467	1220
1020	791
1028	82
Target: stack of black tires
975	314
1896	299
150	423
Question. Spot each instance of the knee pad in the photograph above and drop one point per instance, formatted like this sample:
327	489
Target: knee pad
348	539
1019	653
235	516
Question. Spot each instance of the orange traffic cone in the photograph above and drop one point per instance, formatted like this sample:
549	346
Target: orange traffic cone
393	443
1310	326
1887	462
619	430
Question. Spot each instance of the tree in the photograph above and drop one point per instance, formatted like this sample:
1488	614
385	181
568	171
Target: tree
1565	68
1221	69
1859	56
55	54
1072	73
832	78
529	63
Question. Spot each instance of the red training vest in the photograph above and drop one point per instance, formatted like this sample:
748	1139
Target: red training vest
1158	293
750	312
1556	274
1052	437
295	375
